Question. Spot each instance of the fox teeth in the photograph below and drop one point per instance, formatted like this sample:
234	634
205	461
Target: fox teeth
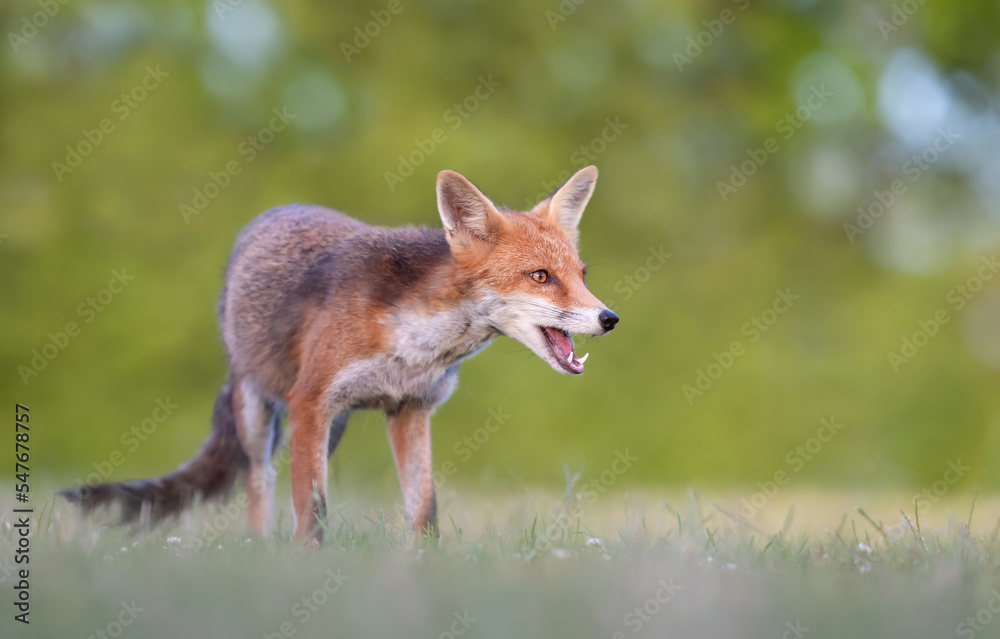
569	358
584	358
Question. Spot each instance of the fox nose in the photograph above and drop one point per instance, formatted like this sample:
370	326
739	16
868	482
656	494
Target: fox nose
607	319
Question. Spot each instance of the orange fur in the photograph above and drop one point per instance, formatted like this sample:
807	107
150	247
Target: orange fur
410	436
322	315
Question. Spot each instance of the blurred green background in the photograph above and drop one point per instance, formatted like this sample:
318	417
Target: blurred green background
668	99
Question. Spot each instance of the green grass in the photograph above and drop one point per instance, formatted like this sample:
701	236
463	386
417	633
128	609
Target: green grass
835	570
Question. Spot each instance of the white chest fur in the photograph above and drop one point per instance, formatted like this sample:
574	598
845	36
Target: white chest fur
424	352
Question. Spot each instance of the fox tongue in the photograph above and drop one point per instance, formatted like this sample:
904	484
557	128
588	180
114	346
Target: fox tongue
561	341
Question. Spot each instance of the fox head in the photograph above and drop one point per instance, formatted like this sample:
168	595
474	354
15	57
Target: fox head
523	269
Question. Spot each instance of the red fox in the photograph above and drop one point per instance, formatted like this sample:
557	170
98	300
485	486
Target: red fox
322	315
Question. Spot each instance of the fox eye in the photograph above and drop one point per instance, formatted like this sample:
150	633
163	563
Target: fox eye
541	276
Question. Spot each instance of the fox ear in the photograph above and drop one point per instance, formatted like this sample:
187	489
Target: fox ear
468	215
567	203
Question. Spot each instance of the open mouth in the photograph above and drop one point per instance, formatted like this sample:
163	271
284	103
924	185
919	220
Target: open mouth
561	345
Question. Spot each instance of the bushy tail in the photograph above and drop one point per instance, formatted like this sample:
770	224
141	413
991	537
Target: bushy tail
211	474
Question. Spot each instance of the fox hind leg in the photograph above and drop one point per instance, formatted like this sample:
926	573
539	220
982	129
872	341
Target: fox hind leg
257	424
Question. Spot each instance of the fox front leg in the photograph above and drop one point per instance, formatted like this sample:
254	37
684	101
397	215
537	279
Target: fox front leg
308	445
410	436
